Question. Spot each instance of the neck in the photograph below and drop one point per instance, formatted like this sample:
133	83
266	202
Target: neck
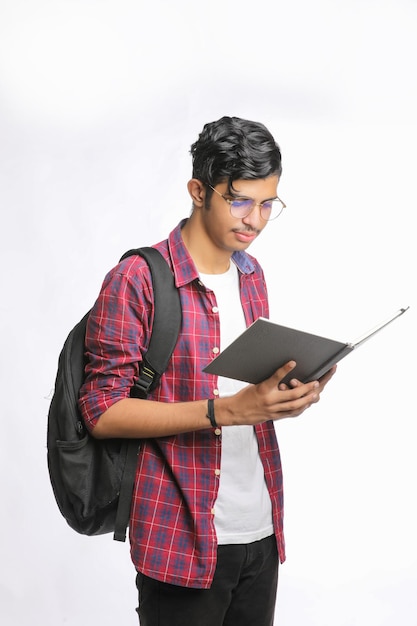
208	258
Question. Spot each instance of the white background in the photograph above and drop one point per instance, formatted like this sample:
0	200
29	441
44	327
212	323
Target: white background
99	104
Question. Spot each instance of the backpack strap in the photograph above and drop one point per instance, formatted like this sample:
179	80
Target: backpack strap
166	326
130	449
166	323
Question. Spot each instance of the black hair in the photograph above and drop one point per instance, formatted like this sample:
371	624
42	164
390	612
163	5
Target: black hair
233	148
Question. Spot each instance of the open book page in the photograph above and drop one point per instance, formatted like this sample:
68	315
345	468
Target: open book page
360	340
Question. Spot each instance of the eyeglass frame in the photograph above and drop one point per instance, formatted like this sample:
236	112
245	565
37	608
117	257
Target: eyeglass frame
254	204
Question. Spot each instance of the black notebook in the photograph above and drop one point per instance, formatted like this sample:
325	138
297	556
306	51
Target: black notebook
265	346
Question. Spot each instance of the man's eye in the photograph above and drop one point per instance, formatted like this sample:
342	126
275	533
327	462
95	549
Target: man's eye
242	204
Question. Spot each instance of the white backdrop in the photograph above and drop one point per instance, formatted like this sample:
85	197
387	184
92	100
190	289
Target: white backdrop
99	104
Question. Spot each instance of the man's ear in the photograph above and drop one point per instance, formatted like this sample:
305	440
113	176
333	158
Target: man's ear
197	191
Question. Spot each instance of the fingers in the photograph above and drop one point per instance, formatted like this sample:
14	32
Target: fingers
299	396
273	399
294	382
281	373
296	404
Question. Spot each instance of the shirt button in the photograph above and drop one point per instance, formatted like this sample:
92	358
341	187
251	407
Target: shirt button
215	309
216	350
215	392
217	472
218	431
212	511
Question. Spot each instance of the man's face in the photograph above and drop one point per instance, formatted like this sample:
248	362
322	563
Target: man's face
233	233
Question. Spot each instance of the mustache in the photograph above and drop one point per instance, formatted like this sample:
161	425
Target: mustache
247	229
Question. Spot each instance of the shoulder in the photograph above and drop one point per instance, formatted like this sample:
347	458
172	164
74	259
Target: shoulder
134	267
129	281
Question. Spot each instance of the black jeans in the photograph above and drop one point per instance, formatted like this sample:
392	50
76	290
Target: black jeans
243	592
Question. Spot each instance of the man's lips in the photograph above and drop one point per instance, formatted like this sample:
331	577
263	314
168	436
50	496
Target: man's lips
246	236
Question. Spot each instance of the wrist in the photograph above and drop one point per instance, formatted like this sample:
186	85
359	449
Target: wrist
210	413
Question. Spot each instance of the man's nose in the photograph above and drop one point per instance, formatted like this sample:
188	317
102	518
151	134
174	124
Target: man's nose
254	218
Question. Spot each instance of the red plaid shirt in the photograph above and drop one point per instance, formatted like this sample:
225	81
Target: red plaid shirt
172	532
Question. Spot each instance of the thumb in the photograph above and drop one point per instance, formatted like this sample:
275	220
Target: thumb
282	372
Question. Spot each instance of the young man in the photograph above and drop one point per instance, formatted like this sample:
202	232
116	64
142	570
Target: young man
206	526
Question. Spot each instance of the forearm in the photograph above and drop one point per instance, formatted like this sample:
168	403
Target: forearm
135	418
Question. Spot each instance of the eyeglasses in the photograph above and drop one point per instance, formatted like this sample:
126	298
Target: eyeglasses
241	207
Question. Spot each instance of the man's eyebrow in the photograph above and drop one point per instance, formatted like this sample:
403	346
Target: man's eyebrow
235	195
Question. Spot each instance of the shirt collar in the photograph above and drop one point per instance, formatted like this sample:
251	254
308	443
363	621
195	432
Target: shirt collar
184	269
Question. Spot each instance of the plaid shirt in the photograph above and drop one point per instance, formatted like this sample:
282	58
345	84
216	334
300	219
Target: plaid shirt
172	532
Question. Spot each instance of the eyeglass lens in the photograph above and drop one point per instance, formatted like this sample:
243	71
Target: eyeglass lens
269	210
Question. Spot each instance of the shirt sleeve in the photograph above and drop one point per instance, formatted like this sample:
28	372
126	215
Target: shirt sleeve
117	336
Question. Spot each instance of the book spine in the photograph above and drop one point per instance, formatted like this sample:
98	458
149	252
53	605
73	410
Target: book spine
320	371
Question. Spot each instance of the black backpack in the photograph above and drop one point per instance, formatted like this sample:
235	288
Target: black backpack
93	479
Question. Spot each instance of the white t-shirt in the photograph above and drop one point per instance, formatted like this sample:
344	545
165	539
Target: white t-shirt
243	511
